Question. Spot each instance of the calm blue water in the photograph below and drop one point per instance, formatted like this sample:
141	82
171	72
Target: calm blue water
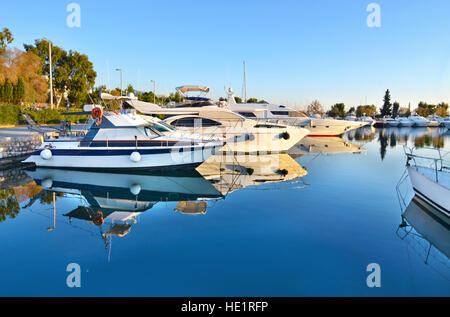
265	231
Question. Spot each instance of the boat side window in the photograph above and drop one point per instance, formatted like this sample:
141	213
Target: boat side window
184	122
248	114
195	121
280	113
210	123
267	126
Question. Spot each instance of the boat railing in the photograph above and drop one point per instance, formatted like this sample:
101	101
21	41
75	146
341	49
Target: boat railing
435	162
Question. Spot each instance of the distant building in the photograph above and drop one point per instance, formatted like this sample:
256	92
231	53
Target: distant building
402	111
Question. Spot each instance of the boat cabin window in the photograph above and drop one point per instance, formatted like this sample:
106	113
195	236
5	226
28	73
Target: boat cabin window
267	126
210	123
280	113
248	114
195	121
184	122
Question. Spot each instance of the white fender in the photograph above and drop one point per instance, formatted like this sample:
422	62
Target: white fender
46	154
135	189
47	183
135	157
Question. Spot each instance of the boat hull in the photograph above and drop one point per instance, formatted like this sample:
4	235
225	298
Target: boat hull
405	124
432	192
420	124
325	127
120	159
253	139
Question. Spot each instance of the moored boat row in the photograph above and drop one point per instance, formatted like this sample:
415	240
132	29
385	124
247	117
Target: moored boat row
414	121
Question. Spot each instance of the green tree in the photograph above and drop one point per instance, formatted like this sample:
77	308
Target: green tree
73	73
386	109
351	111
367	110
8	91
5	39
238	99
395	108
442	109
20	90
337	110
252	100
423	109
130	89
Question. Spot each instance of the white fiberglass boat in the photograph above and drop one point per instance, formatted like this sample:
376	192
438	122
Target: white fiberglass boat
241	135
419	121
369	120
391	122
446	122
430	178
121	141
432	122
405	122
287	115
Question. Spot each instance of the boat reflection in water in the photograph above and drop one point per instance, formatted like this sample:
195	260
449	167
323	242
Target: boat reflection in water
118	198
324	145
229	173
427	232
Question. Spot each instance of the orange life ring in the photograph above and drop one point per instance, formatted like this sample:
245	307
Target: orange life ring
97	113
98	218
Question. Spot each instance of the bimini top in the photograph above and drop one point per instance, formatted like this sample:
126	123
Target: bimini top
185	89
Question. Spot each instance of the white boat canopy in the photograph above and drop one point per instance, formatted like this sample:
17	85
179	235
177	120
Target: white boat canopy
185	89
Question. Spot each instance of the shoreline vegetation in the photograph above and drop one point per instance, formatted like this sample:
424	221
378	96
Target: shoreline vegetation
25	88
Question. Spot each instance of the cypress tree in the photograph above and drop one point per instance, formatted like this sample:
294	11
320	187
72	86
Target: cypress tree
20	90
1	93
386	110
8	91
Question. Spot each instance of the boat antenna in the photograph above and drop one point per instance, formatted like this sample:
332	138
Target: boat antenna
244	86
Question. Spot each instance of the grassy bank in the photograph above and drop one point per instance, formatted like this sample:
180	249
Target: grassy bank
11	115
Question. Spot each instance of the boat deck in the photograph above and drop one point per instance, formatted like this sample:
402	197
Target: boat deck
443	176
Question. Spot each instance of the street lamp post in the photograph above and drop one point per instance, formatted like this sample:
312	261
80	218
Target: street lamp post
50	70
121	87
154	91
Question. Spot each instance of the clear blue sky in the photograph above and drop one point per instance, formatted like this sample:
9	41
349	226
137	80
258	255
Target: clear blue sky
296	51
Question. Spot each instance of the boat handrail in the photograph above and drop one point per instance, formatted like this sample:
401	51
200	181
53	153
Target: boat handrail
410	156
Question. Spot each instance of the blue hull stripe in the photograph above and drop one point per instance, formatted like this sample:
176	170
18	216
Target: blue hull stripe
441	208
96	152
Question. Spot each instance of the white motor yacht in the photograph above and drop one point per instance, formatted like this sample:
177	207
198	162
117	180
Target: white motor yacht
391	122
446	122
436	118
434	121
241	135
404	122
419	121
121	141
369	120
287	115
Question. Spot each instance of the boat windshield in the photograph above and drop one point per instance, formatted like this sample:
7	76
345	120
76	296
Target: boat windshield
151	132
163	127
